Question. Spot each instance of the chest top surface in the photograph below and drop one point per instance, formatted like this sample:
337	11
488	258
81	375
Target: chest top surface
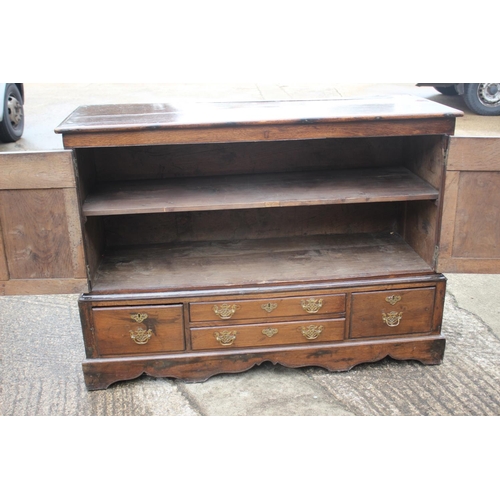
122	117
222	122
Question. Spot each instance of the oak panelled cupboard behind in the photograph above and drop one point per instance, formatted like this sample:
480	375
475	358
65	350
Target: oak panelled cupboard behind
211	237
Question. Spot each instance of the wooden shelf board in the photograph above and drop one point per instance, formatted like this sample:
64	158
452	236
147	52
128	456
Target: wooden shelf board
258	191
212	264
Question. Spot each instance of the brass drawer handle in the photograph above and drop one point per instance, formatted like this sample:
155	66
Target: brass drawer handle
226	337
269	307
270	332
392	319
225	311
141	336
312	306
393	299
311	332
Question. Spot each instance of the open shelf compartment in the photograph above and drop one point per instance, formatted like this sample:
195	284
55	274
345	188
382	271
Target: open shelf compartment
273	261
258	191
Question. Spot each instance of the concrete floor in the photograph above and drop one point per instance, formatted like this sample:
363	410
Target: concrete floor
41	370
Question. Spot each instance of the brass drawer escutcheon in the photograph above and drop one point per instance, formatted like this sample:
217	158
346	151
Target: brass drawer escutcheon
269	332
225	311
141	336
393	299
139	317
392	319
226	337
311	332
269	307
312	306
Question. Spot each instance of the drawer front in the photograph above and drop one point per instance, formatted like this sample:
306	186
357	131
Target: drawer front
393	312
268	334
138	330
267	308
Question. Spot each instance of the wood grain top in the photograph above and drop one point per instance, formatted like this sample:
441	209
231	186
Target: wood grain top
141	117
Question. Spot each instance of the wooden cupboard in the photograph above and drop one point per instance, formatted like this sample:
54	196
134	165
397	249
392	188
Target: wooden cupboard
210	237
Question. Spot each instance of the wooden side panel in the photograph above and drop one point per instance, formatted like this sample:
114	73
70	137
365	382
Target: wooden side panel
470	232
41	247
426	158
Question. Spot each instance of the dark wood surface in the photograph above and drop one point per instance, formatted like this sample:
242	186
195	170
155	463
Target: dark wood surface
114	325
196	160
470	232
209	264
127	117
41	245
284	333
329	195
415	306
249	224
281	307
258	191
149	124
342	356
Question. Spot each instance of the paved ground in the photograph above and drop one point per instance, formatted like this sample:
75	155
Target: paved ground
41	345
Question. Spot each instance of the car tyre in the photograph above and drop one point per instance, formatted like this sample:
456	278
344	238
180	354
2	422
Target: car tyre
12	125
483	98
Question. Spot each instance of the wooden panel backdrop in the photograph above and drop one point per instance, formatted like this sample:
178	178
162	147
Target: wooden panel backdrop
470	232
41	248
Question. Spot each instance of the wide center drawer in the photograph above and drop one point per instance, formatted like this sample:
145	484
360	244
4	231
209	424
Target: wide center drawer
267	334
138	330
267	308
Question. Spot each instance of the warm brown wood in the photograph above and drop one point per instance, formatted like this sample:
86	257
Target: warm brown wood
426	157
263	292
115	326
413	309
42	250
470	233
380	128
259	191
46	286
4	271
421	226
474	154
127	117
247	224
242	262
268	334
91	126
198	367
197	160
42	239
269	308
37	170
261	204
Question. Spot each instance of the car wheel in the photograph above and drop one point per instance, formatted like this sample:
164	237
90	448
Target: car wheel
447	90
483	98
12	126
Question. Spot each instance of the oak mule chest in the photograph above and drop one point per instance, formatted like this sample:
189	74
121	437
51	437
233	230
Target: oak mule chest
218	236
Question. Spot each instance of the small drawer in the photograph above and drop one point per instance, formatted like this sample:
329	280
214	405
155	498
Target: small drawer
268	334
393	312
267	308
138	330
